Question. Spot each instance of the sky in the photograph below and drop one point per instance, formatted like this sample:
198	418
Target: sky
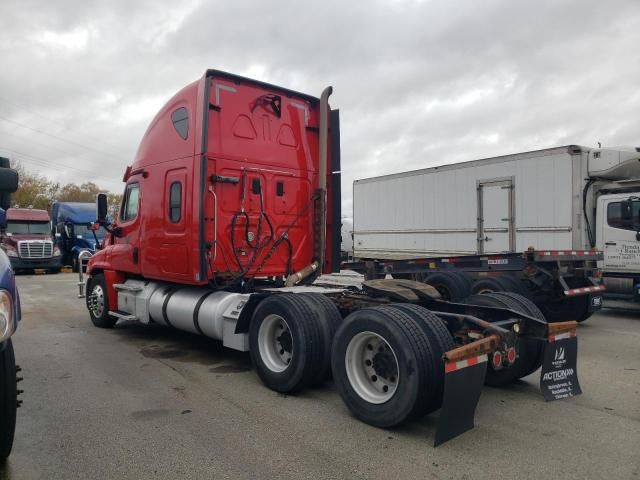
419	83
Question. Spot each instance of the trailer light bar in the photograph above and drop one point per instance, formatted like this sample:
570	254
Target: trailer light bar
561	253
584	290
469	362
562	336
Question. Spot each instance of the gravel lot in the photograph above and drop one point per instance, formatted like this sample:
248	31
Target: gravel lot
149	402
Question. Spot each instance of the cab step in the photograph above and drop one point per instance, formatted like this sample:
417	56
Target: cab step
122	315
128	288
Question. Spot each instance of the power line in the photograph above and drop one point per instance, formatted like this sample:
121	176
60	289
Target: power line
40	115
42	132
43	162
19	137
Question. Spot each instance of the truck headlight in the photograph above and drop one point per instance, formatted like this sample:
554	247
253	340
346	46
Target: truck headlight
11	252
6	316
56	252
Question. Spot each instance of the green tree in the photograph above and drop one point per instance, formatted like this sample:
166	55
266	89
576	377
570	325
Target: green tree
34	190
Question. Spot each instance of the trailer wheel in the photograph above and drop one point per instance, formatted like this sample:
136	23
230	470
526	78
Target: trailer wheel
576	308
505	283
450	286
527	350
329	318
531	309
286	343
465	279
97	301
383	366
440	339
8	399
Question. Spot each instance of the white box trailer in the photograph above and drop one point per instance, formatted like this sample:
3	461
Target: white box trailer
564	198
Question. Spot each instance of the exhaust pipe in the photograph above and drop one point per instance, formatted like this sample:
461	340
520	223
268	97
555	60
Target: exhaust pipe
318	265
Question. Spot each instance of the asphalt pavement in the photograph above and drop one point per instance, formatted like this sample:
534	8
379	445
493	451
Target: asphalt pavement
141	402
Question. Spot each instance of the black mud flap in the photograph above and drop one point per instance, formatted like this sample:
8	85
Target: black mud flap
463	382
559	377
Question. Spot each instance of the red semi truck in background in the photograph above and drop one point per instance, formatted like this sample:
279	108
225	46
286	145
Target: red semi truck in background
27	240
232	209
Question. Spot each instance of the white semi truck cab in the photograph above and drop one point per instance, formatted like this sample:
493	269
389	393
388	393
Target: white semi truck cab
613	190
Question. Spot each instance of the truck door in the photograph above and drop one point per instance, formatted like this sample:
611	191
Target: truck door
496	232
620	222
125	254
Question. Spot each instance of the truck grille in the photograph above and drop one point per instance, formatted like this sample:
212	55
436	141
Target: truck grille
35	249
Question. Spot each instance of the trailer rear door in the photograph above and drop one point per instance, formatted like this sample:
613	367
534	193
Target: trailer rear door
496	231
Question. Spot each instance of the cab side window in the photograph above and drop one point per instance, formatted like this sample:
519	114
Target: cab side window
130	202
615	217
175	202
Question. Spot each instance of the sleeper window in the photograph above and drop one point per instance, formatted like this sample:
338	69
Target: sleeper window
180	119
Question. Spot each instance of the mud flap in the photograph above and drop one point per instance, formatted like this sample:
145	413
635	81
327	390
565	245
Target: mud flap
463	382
559	376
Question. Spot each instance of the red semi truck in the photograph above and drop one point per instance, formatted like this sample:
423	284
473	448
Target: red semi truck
231	210
27	241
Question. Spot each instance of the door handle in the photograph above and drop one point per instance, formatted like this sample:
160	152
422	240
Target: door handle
611	243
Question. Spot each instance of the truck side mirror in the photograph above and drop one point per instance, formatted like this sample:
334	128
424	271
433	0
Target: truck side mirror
102	207
626	211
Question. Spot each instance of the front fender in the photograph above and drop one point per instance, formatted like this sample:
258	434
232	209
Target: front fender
99	261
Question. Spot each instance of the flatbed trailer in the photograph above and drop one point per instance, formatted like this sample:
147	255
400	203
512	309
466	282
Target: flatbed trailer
565	284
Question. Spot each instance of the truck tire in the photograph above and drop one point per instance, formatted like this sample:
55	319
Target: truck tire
465	279
503	283
440	339
97	300
532	310
8	399
576	308
329	318
286	343
383	368
527	350
449	285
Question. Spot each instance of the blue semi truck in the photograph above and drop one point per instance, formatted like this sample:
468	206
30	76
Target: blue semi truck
69	221
9	317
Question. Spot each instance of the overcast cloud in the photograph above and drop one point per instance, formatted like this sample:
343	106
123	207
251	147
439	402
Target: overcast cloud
418	83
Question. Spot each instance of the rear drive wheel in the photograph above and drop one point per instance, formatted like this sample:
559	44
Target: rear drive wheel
527	349
329	319
440	339
98	302
383	366
286	343
8	399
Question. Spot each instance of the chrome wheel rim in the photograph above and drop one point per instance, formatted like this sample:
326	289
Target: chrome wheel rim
372	367
96	301
275	343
